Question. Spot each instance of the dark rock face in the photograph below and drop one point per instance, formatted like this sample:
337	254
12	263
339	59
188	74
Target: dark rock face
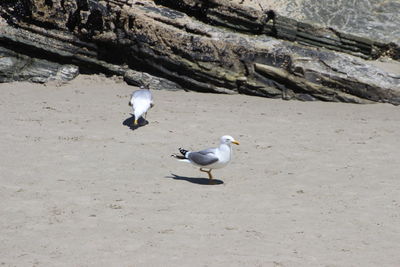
211	46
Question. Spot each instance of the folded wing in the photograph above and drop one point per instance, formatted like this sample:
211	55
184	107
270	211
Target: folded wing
204	157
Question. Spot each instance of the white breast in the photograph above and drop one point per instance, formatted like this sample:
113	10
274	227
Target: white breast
224	154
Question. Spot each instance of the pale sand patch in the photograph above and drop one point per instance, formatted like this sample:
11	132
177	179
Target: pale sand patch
312	183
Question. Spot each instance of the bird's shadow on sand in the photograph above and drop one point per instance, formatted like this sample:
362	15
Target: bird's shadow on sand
195	180
129	122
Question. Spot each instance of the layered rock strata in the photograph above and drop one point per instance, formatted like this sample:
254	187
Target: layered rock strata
210	46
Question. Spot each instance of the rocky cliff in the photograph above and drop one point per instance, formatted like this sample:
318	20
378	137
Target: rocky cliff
296	50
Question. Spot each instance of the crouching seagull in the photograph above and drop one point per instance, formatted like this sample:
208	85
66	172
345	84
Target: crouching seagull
141	101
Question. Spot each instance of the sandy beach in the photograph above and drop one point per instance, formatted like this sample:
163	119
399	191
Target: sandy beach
311	184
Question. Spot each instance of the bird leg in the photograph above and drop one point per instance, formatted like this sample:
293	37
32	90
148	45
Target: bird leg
210	177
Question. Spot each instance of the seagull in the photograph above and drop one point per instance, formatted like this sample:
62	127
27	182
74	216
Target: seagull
211	158
141	101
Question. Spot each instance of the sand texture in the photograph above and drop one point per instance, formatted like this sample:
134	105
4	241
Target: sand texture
312	183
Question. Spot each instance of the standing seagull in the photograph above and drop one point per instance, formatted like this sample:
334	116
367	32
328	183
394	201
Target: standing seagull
212	158
141	101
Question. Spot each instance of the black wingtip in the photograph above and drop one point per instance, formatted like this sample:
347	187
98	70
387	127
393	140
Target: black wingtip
183	151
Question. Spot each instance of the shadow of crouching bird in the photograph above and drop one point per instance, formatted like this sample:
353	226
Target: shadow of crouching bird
129	122
211	158
141	101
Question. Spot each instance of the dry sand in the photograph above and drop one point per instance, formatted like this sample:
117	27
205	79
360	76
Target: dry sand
312	183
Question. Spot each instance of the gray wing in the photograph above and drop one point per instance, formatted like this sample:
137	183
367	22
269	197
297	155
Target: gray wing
203	157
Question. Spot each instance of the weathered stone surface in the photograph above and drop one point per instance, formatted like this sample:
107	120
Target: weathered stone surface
371	19
141	78
18	67
364	28
255	51
60	47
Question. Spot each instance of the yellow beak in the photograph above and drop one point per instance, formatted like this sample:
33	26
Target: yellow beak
235	142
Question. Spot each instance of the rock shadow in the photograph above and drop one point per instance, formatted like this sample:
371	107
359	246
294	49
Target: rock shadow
195	180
